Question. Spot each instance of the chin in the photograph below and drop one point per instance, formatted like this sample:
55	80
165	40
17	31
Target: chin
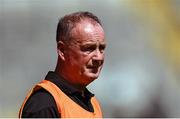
92	76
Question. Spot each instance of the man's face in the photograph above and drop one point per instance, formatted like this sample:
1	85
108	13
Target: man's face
84	56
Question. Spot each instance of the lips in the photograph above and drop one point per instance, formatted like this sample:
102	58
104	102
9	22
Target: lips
93	67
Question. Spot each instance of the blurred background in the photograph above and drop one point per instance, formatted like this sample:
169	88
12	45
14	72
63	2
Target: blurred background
141	74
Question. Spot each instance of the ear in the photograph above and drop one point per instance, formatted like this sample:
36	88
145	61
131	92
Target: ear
61	49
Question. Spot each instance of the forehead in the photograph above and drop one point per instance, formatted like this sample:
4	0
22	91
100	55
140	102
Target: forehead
88	32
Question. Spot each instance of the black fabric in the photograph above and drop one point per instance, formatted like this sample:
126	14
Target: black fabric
41	104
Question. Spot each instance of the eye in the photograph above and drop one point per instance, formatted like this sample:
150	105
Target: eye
102	48
88	48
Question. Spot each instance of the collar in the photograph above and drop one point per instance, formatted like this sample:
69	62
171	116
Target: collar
65	86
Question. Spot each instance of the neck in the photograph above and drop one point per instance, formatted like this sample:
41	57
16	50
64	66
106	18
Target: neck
72	81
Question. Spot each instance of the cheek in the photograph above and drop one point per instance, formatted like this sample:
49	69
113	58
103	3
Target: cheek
86	58
84	61
79	60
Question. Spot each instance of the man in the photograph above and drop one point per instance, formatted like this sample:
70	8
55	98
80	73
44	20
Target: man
63	93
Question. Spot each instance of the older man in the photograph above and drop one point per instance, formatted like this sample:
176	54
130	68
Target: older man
63	93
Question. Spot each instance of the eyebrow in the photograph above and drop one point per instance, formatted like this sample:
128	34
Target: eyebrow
87	43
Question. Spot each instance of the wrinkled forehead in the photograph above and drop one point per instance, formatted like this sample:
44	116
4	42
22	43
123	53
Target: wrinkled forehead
88	32
88	26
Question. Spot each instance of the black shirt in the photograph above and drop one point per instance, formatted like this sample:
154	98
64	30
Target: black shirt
42	104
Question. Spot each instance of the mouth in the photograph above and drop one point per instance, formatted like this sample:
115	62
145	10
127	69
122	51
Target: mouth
94	69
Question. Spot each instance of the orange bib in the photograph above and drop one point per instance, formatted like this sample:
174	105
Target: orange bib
66	106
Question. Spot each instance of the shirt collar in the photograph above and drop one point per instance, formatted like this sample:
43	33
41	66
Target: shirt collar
65	86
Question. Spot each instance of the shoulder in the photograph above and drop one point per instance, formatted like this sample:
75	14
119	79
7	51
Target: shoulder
40	104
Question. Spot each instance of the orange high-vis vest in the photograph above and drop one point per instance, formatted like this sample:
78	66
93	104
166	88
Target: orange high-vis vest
65	105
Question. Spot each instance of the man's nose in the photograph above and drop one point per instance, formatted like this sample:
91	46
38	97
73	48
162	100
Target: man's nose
98	55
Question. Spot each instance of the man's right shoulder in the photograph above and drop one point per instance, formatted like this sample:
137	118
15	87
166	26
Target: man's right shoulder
40	104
